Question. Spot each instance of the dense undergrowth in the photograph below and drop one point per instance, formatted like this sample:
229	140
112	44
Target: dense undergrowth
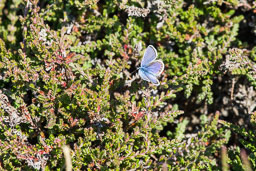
67	78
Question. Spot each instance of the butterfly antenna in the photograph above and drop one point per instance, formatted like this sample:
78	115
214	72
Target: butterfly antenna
134	71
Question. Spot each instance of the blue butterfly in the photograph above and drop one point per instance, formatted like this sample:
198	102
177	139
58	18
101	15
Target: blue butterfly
151	68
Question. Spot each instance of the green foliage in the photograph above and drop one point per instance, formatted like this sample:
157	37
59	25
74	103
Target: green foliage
66	78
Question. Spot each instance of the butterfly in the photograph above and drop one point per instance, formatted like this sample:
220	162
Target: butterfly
151	68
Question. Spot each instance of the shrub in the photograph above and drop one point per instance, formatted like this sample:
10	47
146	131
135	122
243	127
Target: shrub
67	78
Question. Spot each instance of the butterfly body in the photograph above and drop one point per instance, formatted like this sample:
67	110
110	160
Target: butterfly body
151	68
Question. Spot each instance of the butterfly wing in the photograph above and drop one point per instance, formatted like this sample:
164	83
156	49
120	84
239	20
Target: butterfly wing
155	67
143	75
152	78
149	56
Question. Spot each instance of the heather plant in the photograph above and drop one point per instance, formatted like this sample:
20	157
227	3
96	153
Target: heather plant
70	96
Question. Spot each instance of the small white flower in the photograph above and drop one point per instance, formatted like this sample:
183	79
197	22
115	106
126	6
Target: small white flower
42	35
